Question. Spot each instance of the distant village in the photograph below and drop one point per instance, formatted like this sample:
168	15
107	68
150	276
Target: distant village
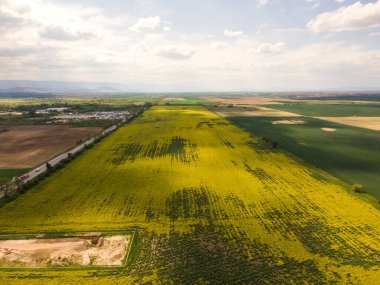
64	115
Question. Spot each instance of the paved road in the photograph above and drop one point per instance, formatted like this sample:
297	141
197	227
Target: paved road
42	168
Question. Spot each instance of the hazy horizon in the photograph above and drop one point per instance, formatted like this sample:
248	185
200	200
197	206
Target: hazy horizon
57	86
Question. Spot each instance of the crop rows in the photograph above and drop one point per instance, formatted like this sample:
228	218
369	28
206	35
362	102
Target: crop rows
211	205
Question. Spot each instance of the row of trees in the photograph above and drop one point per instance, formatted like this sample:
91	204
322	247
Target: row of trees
271	142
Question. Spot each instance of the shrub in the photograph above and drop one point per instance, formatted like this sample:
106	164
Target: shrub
358	188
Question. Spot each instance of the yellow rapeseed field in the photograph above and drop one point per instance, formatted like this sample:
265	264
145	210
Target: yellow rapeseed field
212	205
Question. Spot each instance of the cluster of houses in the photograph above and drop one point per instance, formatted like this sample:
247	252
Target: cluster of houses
124	115
65	115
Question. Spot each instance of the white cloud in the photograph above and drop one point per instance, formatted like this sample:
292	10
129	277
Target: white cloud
166	29
354	17
146	24
180	60
219	45
270	48
262	2
340	1
8	21
175	53
62	34
229	33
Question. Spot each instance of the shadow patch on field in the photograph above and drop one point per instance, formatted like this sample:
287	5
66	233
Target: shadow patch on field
324	240
237	204
211	123
190	203
127	153
259	173
223	254
225	142
176	148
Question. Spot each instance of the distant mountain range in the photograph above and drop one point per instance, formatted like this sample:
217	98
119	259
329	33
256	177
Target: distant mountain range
31	88
46	88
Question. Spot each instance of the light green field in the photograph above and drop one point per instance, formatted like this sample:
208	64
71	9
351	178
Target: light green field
324	109
211	204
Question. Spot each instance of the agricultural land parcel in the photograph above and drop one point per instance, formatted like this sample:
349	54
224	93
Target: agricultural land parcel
28	141
250	111
349	153
26	146
184	100
361	115
323	109
371	123
212	204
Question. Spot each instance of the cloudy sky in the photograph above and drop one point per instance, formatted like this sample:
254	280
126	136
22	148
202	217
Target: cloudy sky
197	45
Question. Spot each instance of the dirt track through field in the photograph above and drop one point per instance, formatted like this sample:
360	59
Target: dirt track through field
26	146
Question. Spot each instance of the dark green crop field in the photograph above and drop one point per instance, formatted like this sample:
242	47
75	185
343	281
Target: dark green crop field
330	110
6	174
349	153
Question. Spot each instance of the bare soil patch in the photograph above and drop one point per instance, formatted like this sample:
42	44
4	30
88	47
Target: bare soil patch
258	112
289	122
26	146
89	250
372	123
328	129
257	100
174	99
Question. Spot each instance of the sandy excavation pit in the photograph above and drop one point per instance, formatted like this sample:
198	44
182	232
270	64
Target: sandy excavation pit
86	250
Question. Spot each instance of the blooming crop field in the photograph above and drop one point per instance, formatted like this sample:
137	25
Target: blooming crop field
211	204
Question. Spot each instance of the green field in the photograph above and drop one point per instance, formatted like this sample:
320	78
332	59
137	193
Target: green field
212	205
6	174
349	153
185	100
329	110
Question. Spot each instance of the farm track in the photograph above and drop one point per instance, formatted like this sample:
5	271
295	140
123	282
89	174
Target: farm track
212	204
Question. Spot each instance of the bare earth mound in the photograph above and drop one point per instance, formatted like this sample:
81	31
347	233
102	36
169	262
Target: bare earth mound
288	122
372	123
328	129
67	251
24	146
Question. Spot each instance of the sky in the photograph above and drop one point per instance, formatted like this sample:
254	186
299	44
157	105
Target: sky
197	45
